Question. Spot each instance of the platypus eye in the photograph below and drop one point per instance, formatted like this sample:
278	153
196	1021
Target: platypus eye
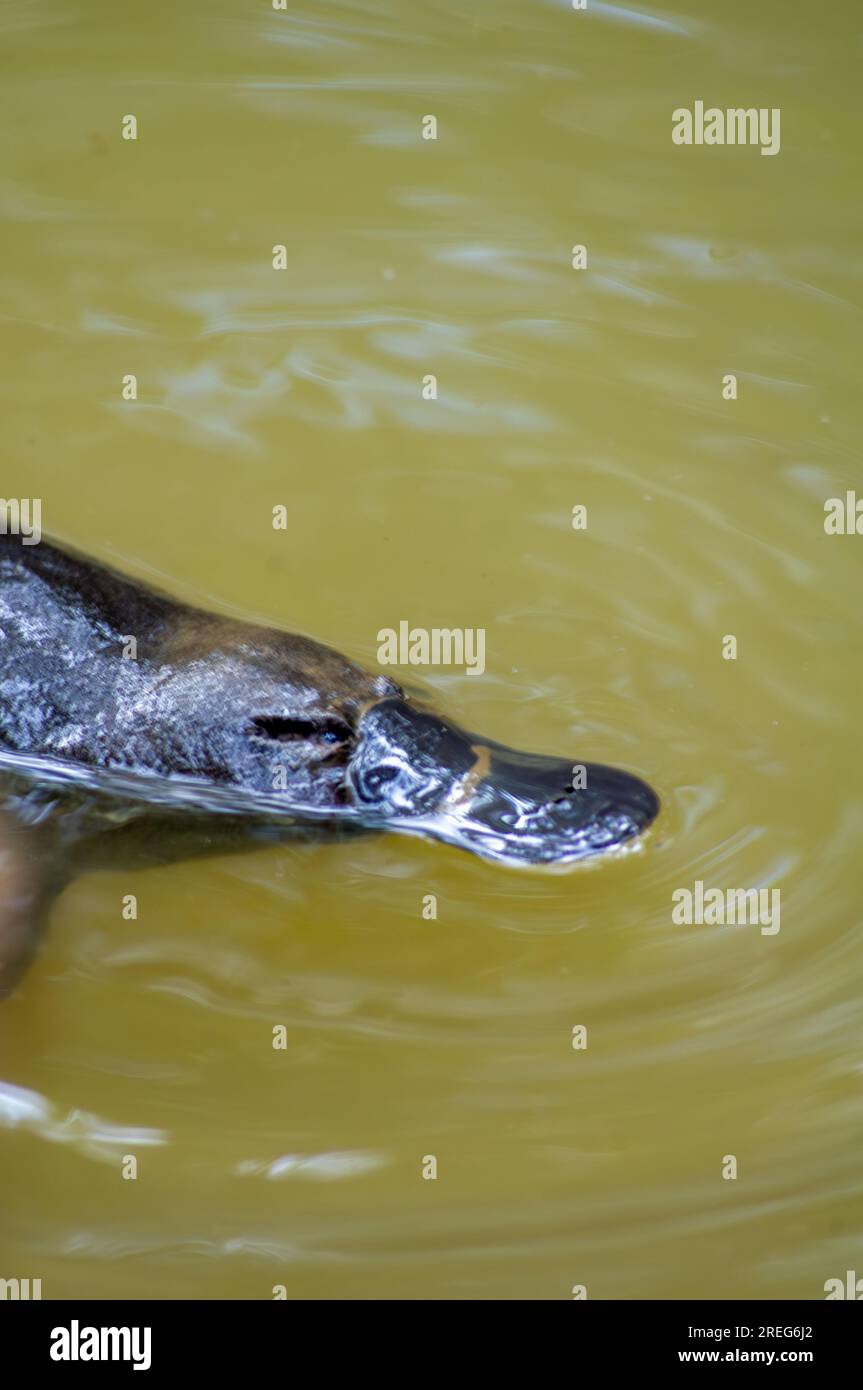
326	729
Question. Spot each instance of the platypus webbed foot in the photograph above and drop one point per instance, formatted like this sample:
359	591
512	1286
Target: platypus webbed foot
414	772
31	875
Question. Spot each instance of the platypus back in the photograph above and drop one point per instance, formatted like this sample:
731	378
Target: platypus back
104	671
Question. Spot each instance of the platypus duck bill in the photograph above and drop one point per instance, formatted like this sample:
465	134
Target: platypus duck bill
420	774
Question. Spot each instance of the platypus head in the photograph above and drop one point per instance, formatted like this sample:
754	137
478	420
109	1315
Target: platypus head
423	775
260	711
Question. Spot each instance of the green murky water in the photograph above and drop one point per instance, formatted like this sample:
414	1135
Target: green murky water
408	257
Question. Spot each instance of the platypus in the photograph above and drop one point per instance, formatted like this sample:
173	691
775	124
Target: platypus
136	729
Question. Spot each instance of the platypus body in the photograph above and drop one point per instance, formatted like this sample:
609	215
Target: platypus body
135	729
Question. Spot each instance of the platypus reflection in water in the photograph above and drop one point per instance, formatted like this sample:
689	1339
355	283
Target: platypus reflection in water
220	734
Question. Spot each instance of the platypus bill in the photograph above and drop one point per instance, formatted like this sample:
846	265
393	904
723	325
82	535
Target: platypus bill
135	730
